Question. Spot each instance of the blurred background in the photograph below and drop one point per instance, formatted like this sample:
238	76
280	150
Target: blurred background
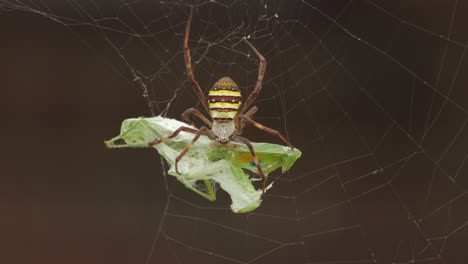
372	92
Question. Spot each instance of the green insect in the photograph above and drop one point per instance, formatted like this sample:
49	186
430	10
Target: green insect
208	161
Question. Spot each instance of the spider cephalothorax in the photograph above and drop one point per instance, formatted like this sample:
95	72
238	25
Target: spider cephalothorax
228	113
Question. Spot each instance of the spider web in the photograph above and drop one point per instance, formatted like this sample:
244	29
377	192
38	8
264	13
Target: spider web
372	92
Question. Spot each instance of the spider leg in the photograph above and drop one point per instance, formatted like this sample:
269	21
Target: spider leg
194	111
251	112
264	128
189	146
197	133
241	123
255	158
173	135
188	65
261	74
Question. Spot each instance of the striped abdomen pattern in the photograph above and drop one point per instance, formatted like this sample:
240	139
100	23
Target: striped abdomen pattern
224	99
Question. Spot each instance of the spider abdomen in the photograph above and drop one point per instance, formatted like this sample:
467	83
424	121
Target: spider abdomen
224	99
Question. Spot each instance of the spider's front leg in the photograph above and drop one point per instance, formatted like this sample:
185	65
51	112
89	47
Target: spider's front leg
188	65
258	85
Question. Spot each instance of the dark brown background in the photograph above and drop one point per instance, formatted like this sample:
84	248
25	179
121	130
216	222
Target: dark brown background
355	107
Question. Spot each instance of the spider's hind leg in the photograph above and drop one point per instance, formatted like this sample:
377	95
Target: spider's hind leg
190	145
197	133
273	132
255	158
173	135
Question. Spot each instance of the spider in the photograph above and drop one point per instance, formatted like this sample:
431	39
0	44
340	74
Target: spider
227	112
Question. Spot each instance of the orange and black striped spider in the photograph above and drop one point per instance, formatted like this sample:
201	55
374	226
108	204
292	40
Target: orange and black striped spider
225	108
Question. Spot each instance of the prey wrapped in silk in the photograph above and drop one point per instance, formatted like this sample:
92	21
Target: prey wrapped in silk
208	163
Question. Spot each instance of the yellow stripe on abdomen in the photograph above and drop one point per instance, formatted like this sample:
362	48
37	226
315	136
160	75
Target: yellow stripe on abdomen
227	105
223	114
224	93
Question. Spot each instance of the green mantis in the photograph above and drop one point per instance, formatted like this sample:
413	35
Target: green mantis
208	161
